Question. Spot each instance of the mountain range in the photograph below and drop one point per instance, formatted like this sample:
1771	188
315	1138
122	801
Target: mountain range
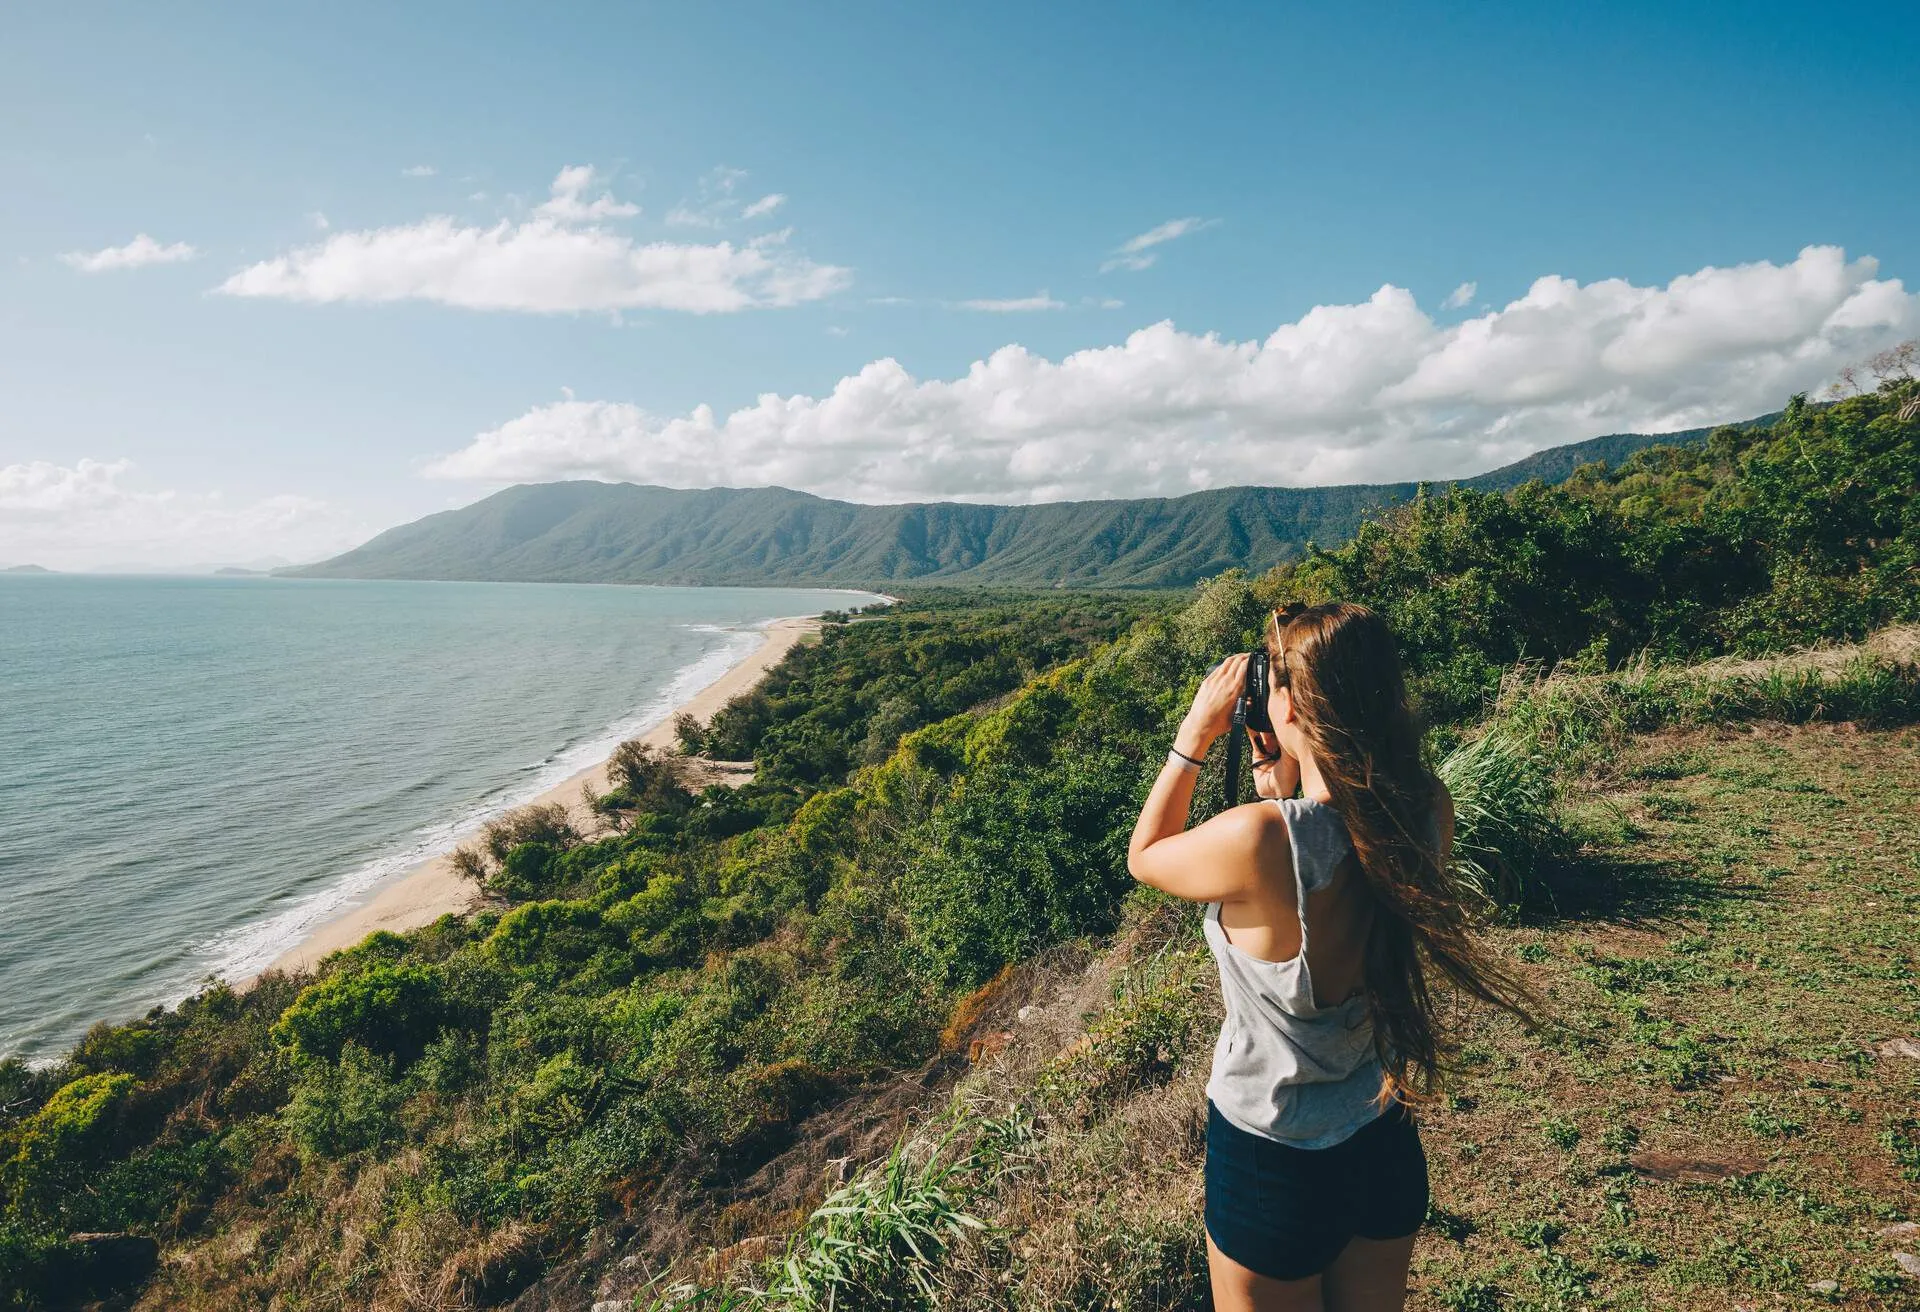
590	532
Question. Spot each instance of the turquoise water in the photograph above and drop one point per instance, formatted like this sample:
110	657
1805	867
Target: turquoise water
194	772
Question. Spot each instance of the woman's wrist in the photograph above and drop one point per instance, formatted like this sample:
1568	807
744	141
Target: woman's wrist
1192	741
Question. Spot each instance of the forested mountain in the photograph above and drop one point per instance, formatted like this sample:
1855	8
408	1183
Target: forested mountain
585	532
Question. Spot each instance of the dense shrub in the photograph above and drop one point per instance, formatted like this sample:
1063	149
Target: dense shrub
1757	540
389	1010
345	1106
47	1155
1020	860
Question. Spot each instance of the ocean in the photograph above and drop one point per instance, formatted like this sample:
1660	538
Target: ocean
195	772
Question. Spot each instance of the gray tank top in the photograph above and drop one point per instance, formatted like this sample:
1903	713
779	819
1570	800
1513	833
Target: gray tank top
1285	1069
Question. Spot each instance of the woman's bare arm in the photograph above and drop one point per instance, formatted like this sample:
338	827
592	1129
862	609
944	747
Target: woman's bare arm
1215	861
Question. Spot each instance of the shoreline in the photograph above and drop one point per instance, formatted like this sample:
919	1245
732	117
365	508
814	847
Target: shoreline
433	888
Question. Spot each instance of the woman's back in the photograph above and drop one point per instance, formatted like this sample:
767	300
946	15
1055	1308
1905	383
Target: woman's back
1311	902
1290	1066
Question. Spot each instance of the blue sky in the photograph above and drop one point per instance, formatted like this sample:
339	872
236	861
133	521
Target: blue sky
404	328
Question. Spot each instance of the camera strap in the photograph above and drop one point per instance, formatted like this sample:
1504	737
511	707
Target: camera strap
1236	738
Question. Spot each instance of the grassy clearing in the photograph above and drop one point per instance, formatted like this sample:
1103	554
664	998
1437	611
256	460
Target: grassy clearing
1726	960
1722	1117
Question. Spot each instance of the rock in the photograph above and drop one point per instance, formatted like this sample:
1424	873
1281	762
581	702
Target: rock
1908	1048
1898	1228
1024	1012
613	1305
1824	1287
1907	1262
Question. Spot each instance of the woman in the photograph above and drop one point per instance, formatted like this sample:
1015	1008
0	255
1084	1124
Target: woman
1326	913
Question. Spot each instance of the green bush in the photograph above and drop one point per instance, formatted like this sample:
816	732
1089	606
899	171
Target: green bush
345	1106
136	1049
1019	860
47	1155
556	940
391	1010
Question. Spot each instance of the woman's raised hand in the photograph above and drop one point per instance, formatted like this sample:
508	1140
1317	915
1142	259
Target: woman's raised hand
1212	711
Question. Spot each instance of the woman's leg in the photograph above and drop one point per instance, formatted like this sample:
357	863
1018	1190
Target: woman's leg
1370	1275
1236	1289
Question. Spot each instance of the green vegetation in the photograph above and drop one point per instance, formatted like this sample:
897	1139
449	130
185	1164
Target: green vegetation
621	533
657	1043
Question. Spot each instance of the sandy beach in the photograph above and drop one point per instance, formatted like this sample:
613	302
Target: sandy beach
434	888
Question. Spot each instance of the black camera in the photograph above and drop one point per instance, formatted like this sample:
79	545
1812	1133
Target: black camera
1253	695
1249	712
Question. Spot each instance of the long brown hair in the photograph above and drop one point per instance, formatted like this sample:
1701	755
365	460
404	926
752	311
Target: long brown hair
1342	669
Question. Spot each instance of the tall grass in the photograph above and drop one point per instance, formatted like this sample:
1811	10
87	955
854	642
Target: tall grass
1545	728
1576	720
879	1242
1506	817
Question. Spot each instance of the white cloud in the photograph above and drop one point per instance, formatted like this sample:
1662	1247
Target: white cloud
319	220
1137	253
567	206
1460	296
1373	391
1015	305
561	259
418	171
138	253
765	205
93	514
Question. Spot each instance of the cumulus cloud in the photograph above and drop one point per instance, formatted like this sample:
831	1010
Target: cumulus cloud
94	514
1460	296
1137	253
563	258
138	253
1372	391
1015	305
765	205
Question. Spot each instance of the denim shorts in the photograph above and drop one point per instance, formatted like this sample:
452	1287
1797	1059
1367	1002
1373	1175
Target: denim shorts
1287	1212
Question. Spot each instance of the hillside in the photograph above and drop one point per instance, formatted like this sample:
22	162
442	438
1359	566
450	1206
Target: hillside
1728	1121
652	1052
586	532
